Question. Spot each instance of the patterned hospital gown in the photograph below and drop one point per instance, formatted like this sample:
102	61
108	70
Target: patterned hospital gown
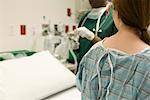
109	74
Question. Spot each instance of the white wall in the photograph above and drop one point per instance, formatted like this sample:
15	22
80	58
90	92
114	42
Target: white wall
82	5
14	13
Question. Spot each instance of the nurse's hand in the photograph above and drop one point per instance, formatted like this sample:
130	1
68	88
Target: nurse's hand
85	33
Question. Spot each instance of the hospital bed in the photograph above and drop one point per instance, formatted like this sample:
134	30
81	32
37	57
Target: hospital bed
37	77
68	94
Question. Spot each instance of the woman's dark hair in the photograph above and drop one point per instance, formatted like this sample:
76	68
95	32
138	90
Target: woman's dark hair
136	14
97	3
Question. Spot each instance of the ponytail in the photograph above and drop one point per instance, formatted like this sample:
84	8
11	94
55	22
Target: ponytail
145	36
136	14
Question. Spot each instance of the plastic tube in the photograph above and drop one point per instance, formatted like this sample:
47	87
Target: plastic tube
74	56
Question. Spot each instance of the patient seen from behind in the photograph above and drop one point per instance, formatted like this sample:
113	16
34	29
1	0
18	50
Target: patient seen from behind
118	67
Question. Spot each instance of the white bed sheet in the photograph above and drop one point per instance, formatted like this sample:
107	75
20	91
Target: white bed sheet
33	77
69	94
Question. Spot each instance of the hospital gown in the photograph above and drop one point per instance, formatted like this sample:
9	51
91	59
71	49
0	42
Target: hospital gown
110	74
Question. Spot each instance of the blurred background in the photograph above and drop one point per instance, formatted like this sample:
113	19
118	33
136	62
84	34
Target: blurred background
22	22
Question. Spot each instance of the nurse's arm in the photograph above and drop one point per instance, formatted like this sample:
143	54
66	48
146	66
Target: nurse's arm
96	39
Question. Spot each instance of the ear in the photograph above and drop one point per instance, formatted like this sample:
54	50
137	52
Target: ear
148	28
117	14
116	19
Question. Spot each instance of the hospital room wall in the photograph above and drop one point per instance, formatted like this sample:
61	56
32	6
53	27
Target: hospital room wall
14	13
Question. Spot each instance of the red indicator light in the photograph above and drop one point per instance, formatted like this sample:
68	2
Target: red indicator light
23	29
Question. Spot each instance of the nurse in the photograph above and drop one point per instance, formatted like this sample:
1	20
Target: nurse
94	26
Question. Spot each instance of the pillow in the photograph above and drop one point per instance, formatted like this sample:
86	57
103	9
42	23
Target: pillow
34	77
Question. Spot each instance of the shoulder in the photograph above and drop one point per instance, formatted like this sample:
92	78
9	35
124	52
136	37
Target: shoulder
145	54
144	60
95	51
82	16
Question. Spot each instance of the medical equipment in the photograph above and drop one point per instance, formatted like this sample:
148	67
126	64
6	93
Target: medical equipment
59	43
73	45
45	27
52	40
49	39
69	42
61	51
